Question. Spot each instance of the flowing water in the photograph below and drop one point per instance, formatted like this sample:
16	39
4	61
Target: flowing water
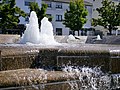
89	78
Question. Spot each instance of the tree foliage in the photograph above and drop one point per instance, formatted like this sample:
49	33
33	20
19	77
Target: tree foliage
9	14
75	17
109	15
41	12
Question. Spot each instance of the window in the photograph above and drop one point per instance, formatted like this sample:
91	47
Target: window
58	31
49	4
27	2
27	18
94	9
58	17
115	0
49	15
59	5
7	1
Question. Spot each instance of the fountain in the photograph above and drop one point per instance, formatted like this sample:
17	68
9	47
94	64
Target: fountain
71	39
98	37
32	34
41	63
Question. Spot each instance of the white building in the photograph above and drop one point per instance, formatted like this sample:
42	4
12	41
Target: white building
57	8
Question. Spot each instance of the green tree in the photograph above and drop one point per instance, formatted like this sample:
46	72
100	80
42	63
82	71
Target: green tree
41	12
9	14
75	17
109	15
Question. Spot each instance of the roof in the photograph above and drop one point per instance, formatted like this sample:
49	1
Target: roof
67	1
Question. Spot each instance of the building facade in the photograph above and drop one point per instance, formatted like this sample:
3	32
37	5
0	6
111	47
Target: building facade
57	8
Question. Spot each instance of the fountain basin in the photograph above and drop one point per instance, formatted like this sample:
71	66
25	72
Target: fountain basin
27	56
18	63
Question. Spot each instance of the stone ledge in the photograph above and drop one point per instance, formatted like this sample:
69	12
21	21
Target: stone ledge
9	38
22	77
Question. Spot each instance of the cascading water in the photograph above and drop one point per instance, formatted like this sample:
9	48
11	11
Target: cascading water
88	78
34	36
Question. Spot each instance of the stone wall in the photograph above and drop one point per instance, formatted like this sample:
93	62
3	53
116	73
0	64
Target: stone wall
17	58
8	38
57	57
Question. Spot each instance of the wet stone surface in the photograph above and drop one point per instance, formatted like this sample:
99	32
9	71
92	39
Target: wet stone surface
41	56
16	58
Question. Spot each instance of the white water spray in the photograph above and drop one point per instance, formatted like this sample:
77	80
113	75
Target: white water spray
34	36
31	34
46	35
98	37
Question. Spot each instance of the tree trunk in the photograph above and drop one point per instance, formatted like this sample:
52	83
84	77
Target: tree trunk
110	30
81	32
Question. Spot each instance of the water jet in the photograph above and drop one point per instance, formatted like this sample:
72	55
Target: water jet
33	35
